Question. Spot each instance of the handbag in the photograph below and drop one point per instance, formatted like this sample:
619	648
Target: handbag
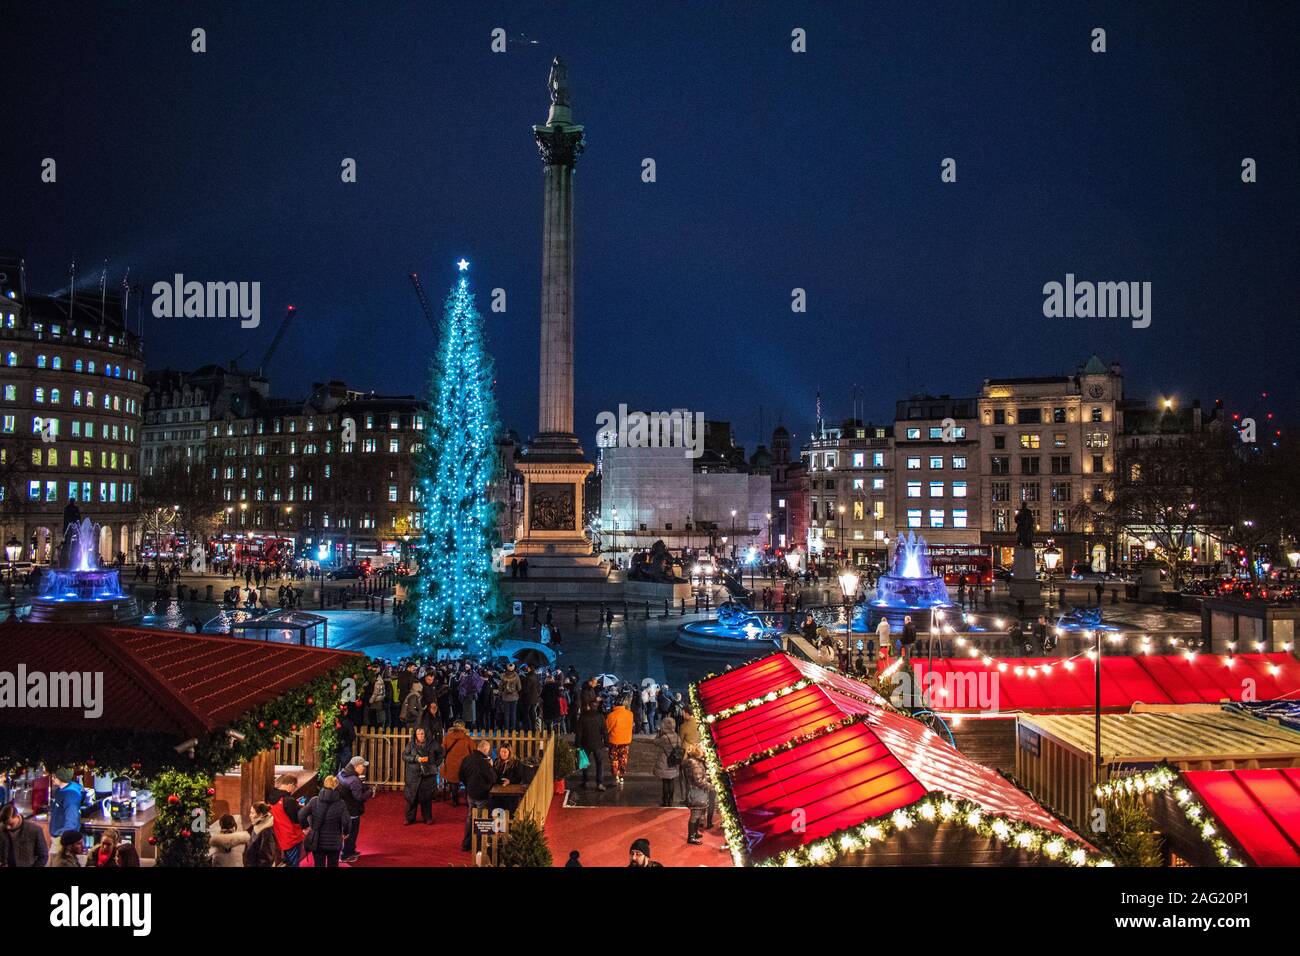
583	760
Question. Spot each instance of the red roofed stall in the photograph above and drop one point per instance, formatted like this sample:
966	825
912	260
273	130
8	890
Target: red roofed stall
980	701
814	767
1257	812
161	700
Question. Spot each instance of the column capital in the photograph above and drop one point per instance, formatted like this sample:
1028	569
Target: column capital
559	144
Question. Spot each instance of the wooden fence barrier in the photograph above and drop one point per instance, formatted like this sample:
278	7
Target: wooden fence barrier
490	830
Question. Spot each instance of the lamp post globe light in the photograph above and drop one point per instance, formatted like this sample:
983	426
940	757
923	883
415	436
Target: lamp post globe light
1051	558
848	588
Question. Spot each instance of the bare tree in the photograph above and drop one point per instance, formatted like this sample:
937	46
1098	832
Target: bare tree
1172	487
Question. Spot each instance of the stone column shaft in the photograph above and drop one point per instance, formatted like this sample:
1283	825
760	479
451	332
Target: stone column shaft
555	397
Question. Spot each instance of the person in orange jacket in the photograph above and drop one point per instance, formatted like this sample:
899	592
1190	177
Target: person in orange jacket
618	727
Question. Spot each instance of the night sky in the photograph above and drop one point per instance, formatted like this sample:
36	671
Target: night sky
775	170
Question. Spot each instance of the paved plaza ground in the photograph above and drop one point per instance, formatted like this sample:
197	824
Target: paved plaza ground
636	647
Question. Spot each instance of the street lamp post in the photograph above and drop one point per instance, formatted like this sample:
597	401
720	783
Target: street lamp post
843	552
614	534
1096	717
849	588
13	548
1051	558
771	550
733	534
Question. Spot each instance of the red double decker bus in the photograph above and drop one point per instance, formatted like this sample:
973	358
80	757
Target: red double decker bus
954	560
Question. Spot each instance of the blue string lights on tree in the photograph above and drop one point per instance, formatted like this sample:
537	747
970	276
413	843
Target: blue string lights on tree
460	603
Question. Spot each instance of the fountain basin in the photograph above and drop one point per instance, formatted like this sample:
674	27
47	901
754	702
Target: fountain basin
735	630
88	596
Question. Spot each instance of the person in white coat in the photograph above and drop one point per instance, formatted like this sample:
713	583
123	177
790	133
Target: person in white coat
882	637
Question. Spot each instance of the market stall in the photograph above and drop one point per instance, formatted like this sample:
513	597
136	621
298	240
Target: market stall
168	713
1056	753
815	768
979	698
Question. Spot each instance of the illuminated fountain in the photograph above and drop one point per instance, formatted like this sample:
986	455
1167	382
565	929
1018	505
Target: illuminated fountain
910	588
81	592
736	628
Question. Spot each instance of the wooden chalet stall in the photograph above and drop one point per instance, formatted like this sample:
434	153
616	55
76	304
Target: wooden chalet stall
1055	753
169	701
815	768
980	702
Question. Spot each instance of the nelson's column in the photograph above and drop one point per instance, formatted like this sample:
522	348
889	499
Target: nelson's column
553	466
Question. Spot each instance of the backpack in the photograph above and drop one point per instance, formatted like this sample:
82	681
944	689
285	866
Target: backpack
675	756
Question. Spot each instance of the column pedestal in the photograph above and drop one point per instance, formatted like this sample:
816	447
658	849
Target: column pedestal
1024	577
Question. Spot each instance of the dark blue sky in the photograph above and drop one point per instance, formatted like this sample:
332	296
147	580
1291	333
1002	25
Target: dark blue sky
775	170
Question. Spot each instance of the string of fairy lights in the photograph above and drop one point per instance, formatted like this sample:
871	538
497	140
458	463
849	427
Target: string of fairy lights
966	643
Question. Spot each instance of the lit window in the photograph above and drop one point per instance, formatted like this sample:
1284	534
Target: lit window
959	489
936	518
959	517
914	517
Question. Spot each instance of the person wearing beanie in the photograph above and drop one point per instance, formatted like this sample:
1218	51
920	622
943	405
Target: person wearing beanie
66	795
354	792
69	846
639	854
574	860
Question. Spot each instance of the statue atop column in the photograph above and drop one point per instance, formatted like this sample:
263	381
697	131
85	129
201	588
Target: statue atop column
1024	527
558	82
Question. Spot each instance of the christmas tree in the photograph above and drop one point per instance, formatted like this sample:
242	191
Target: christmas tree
460	604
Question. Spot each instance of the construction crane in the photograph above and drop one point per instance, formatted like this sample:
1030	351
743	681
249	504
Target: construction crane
424	302
290	312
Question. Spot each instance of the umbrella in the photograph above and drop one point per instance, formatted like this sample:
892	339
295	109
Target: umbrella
531	656
605	681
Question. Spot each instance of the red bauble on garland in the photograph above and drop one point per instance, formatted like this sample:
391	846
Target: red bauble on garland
173	799
187	834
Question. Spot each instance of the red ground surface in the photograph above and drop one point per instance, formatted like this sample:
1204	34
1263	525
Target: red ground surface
603	834
386	841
